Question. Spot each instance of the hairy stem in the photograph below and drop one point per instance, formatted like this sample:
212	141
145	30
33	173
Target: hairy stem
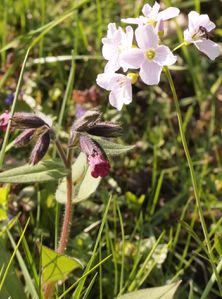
193	177
49	288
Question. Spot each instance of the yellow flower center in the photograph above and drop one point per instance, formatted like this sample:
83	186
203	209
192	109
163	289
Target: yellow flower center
133	77
152	23
150	54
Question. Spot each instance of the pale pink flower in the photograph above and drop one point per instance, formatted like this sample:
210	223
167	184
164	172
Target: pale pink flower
149	57
120	87
114	44
197	33
152	16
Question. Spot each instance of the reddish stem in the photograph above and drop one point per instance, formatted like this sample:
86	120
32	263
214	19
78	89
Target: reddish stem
49	288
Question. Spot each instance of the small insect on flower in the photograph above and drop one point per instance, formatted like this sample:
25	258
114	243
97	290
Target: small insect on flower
198	33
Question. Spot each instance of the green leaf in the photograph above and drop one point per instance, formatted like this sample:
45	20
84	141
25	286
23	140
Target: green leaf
56	266
44	171
111	148
84	183
164	292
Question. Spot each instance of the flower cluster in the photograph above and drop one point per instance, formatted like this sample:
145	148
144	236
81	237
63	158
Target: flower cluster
34	128
85	128
148	55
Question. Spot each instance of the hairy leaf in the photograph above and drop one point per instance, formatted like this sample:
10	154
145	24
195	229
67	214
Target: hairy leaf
44	171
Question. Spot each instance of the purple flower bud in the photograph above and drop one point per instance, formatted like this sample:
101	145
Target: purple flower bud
40	148
105	129
24	138
24	120
97	160
82	124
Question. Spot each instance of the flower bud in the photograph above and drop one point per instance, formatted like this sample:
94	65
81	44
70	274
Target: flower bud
24	120
105	129
160	28
24	138
88	118
40	148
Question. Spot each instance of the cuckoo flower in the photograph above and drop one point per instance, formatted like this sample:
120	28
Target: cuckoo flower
197	33
149	57
114	44
152	16
120	87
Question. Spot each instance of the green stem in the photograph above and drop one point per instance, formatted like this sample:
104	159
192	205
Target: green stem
193	177
211	282
180	46
67	220
5	142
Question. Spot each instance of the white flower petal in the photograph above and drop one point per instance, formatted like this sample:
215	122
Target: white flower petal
164	56
137	21
111	30
150	73
168	13
129	36
146	10
188	36
193	21
205	22
208	47
132	58
121	93
104	79
146	37
112	65
109	49
154	11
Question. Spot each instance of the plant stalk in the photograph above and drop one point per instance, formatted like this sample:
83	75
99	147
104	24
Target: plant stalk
49	288
193	176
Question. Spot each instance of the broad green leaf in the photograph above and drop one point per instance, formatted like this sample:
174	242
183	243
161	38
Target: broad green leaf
111	148
84	183
56	266
164	292
44	171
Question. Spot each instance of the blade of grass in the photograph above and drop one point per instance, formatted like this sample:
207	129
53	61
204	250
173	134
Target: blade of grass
79	288
90	286
83	277
13	255
25	272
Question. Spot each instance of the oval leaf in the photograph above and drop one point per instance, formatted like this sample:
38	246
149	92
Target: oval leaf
111	148
44	171
84	183
56	266
164	292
